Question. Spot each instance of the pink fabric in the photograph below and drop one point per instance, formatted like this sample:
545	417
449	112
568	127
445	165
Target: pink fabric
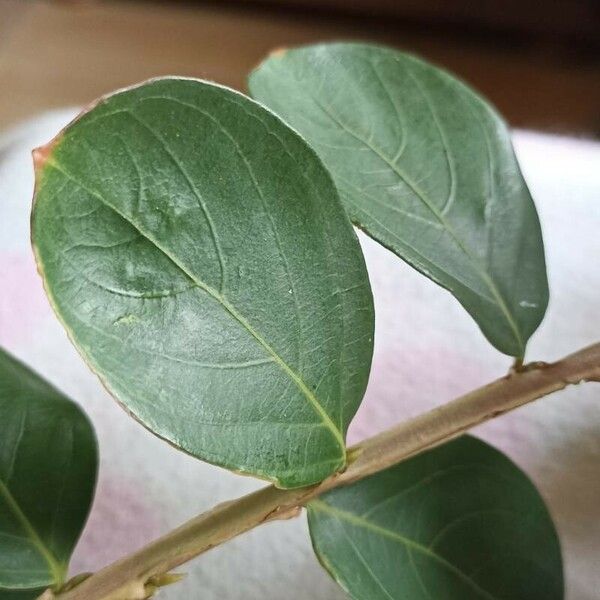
20	313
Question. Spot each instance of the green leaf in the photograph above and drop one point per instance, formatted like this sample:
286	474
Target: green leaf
196	250
425	167
458	522
48	463
20	594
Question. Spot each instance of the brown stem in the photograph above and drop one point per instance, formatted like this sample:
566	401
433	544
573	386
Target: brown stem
128	578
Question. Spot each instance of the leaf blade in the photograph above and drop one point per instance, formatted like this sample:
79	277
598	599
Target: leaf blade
48	451
196	210
6	594
426	168
460	521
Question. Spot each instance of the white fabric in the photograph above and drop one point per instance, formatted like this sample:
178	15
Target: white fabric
427	351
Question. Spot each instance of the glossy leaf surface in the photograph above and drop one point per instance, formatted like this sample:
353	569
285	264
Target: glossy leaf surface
458	522
425	167
196	250
48	462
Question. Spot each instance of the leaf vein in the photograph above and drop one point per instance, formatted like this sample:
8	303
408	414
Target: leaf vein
227	306
483	274
407	542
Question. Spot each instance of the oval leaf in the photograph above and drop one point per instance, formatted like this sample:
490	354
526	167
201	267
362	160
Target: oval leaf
458	522
48	463
426	168
196	250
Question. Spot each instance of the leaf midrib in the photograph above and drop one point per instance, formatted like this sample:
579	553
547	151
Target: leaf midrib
56	569
327	421
358	521
483	274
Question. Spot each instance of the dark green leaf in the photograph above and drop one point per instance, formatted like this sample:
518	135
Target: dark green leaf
196	250
425	167
458	522
48	462
20	594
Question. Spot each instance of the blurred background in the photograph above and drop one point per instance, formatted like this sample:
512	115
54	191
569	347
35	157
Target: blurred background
539	62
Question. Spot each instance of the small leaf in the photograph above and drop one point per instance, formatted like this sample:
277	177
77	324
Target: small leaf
48	463
196	250
426	168
458	522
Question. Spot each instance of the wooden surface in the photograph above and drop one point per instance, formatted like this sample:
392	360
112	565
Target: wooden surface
65	53
579	19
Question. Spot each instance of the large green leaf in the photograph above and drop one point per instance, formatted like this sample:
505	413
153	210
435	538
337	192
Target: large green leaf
425	167
196	250
48	462
458	522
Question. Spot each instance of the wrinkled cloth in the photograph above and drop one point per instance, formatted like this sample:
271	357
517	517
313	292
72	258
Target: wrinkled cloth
428	351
